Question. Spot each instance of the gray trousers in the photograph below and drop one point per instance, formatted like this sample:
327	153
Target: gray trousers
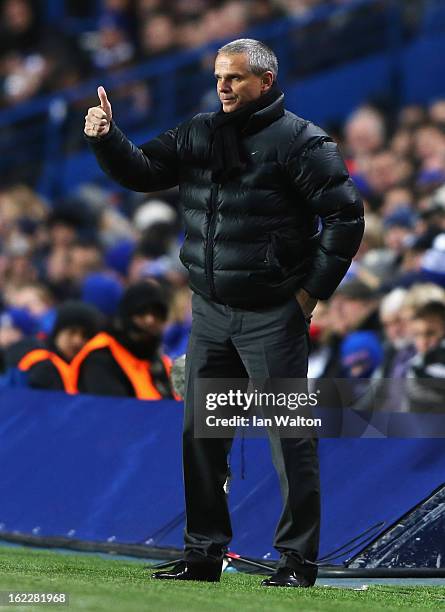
253	343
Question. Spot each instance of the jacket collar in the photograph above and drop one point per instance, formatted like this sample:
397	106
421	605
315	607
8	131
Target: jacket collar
265	116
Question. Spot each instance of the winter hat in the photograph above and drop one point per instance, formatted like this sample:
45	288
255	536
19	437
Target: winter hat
103	291
77	314
143	297
118	256
19	318
361	348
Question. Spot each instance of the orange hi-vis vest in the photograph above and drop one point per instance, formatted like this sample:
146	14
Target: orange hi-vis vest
136	370
63	368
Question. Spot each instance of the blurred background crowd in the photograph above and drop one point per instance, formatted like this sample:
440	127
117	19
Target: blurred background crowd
40	55
386	320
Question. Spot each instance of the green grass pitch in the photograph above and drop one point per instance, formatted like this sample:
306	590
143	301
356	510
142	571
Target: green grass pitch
108	585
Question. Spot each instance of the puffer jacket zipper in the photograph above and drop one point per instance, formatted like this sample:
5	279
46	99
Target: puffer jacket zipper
210	239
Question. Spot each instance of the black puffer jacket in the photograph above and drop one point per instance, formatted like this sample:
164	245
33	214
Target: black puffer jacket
255	239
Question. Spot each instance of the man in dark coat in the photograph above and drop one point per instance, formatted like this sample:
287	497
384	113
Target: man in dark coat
272	221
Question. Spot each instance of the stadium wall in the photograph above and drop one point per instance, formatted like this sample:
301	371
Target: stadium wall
109	470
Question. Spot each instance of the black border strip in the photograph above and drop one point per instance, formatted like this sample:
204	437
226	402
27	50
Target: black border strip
169	554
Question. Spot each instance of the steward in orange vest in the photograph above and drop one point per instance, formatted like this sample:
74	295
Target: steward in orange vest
49	367
126	360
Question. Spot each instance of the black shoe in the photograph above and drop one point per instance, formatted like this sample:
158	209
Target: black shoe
288	577
207	572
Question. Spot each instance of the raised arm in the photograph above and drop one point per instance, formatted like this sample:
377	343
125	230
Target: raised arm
151	167
322	180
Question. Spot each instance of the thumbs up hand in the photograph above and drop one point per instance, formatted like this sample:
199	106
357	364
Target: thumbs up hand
98	118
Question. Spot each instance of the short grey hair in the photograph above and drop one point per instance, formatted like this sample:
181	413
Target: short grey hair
261	58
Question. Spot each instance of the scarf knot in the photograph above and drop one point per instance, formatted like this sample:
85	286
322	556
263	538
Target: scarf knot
227	156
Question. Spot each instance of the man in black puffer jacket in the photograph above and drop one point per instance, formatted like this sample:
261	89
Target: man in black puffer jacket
272	221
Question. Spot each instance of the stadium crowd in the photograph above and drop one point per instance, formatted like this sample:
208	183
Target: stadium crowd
96	277
39	56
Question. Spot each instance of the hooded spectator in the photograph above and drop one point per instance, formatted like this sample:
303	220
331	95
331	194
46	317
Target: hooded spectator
126	360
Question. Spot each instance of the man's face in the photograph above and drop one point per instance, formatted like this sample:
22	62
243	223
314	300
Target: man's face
395	329
346	313
236	84
150	324
70	340
427	333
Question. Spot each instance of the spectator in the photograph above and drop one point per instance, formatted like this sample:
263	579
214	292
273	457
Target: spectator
411	117
399	226
428	327
84	258
395	199
418	295
425	388
158	35
34	57
361	354
20	30
353	307
17	326
126	361
121	13
35	298
398	350
432	265
358	306
436	113
48	366
365	132
114	49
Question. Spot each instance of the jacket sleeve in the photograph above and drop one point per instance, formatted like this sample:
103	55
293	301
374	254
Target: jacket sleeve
150	167
320	176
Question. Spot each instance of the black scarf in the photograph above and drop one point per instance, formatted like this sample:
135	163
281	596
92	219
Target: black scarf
141	345
226	154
